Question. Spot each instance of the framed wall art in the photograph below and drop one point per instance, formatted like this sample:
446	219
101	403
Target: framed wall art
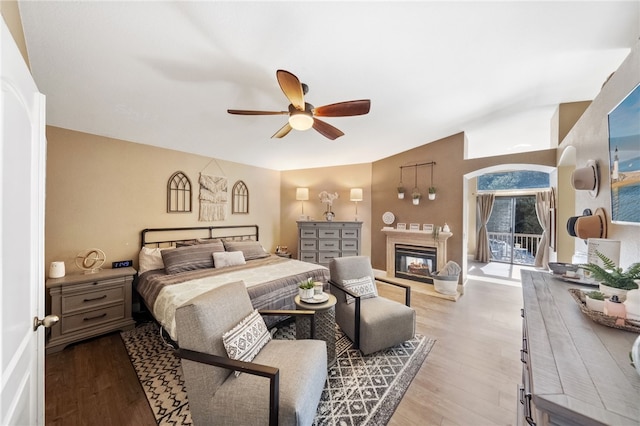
624	159
401	226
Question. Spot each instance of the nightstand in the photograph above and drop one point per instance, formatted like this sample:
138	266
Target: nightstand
89	305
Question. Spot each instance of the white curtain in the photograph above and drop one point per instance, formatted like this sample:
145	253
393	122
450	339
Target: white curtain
544	203
484	204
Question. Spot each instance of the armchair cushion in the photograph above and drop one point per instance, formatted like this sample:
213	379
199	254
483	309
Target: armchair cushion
244	341
363	287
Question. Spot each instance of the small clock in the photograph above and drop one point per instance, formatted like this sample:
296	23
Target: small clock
122	264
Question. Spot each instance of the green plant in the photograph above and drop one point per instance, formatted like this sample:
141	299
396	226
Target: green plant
401	189
432	190
595	295
306	285
612	275
416	195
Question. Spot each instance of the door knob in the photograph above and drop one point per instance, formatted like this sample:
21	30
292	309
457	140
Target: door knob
46	322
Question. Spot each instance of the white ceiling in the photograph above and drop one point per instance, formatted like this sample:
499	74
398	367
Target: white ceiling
164	73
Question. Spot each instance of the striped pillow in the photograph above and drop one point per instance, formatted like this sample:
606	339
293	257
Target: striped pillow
181	259
249	248
244	341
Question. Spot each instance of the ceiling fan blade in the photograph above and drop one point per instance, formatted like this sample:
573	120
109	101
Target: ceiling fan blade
344	109
284	131
292	88
249	112
326	129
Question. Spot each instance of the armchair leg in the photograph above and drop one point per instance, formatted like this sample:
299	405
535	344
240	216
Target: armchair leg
274	398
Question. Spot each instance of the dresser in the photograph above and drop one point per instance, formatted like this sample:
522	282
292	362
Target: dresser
319	242
574	371
89	305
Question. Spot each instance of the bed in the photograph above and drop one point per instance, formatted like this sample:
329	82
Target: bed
177	264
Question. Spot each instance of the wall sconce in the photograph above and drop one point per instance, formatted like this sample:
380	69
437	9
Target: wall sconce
302	195
356	195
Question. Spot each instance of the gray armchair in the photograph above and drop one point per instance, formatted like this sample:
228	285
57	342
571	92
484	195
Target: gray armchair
372	323
282	385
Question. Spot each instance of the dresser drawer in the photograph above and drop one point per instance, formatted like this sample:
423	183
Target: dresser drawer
325	257
93	318
349	245
308	233
308	257
350	233
92	299
329	233
329	245
308	244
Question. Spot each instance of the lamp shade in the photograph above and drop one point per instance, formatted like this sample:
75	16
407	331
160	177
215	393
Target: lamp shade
302	194
356	194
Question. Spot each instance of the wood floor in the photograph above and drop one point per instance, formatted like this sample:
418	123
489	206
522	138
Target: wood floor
469	378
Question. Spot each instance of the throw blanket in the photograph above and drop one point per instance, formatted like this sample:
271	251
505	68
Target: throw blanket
272	283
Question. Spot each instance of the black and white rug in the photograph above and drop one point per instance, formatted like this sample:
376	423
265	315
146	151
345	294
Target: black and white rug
360	390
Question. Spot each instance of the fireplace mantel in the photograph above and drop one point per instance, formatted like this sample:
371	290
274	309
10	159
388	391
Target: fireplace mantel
415	238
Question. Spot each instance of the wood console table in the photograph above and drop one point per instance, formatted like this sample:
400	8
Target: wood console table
575	371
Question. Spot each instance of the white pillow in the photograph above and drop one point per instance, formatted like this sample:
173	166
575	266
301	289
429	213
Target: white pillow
363	287
228	258
150	259
244	341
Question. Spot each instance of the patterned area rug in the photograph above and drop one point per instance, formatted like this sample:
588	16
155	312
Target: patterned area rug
360	390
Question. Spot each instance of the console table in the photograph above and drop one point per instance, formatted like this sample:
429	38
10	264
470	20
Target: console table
575	371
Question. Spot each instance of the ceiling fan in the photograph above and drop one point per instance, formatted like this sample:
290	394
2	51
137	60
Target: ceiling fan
302	115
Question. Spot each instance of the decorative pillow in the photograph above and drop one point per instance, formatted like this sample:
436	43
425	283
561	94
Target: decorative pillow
249	248
228	258
150	259
363	287
245	340
190	258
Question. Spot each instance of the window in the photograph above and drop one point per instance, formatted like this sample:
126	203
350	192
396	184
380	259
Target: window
240	198
521	179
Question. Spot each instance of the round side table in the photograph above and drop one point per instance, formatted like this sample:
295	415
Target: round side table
325	319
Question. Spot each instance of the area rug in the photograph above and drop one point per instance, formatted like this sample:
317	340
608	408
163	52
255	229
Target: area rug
360	390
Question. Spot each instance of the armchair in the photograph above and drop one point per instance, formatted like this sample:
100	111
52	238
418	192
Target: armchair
370	321
295	370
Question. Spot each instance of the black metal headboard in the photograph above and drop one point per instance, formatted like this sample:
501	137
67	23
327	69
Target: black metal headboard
168	237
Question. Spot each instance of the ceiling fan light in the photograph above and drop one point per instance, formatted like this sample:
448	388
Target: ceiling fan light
301	121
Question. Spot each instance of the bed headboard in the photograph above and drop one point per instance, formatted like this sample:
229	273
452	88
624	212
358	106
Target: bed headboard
168	237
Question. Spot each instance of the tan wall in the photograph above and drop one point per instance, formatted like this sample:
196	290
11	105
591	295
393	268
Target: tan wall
590	137
102	192
449	177
338	179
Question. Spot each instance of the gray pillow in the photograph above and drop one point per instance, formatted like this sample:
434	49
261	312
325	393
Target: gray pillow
249	248
190	258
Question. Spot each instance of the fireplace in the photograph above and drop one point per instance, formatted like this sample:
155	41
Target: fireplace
415	263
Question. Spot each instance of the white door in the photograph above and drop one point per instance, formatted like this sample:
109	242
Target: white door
22	174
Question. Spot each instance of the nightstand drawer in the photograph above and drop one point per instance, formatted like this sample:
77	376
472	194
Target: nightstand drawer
329	245
91	285
91	300
90	319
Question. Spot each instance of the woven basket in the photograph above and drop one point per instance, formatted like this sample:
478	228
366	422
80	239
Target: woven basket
600	317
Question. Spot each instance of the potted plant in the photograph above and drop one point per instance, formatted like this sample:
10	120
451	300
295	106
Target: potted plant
613	280
432	192
328	198
305	289
595	300
416	195
400	192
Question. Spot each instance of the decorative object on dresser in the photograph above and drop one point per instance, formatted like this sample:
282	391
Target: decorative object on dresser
613	280
90	260
319	242
574	371
302	195
328	198
355	196
56	269
89	305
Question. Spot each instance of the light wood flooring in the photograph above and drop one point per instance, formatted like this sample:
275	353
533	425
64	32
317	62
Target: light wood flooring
469	378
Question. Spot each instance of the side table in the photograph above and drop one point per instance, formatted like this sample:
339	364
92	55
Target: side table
325	319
